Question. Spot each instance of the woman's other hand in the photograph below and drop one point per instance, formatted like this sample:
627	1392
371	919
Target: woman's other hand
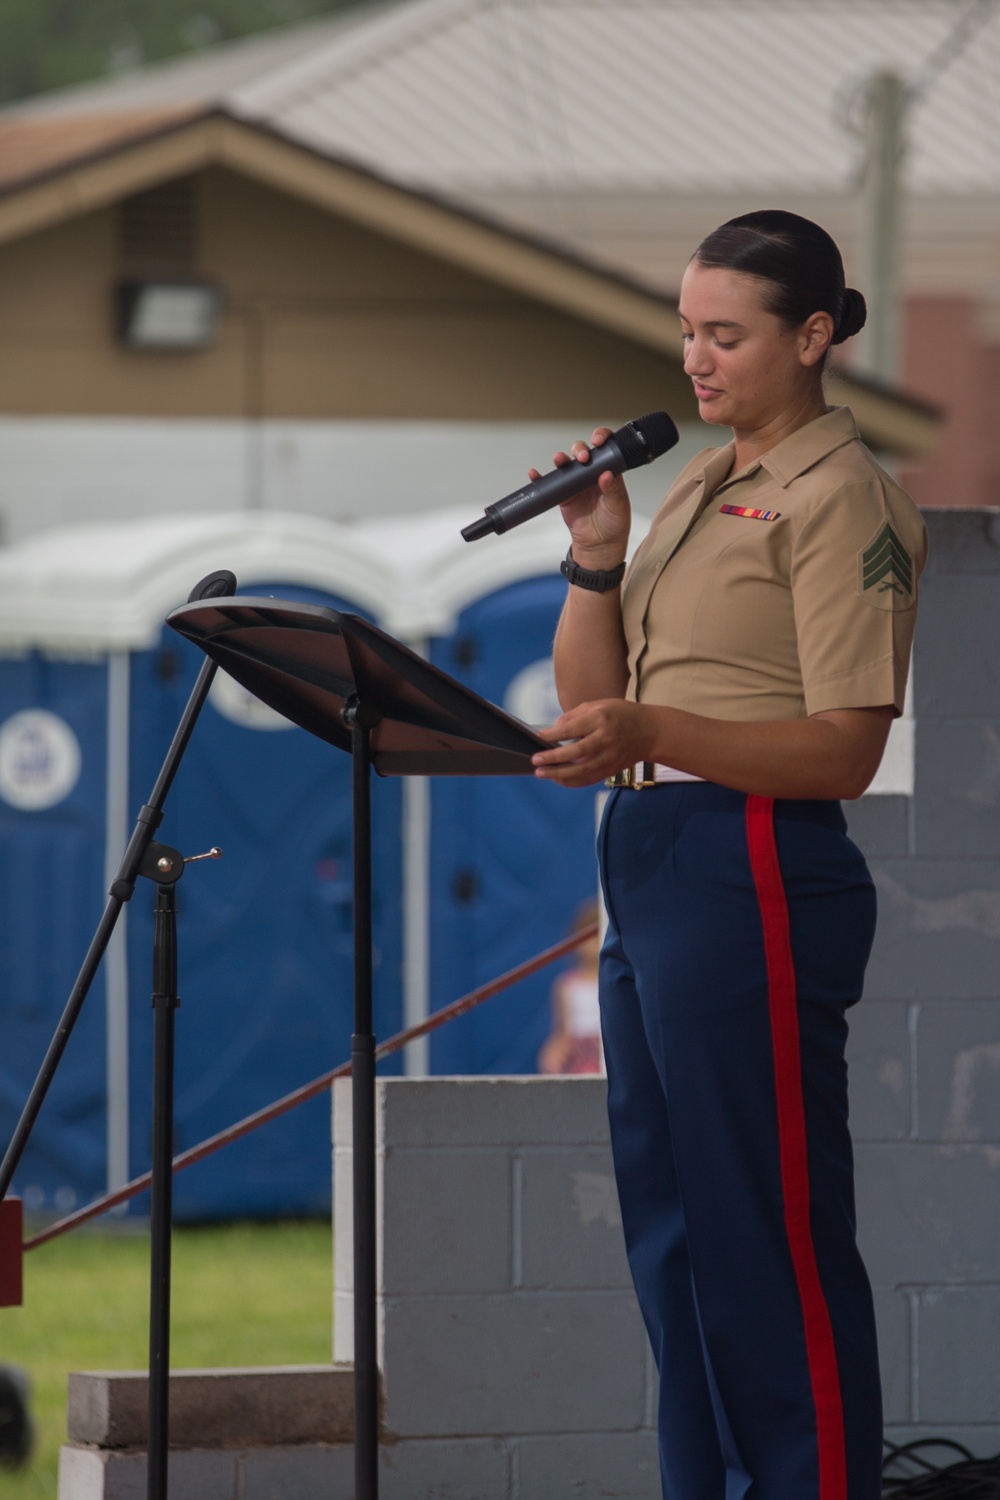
604	737
831	755
599	517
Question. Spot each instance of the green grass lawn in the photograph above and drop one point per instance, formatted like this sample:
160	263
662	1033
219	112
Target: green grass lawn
243	1294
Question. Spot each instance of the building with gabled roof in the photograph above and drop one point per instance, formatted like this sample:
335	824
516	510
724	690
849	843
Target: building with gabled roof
508	102
345	298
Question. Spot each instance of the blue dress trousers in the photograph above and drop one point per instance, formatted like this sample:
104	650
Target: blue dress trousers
739	929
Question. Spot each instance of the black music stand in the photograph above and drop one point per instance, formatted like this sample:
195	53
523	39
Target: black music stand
352	685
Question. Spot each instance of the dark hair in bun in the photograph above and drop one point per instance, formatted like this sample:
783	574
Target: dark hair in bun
853	315
799	260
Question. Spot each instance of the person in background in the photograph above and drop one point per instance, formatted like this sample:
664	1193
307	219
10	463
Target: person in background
574	1043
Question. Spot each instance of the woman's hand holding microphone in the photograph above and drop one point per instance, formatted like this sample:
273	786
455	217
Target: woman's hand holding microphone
599	518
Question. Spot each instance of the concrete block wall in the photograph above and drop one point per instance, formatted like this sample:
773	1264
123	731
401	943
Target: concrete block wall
512	1349
925	1042
506	1309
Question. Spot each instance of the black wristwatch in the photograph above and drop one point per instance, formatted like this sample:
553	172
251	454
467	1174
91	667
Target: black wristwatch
597	580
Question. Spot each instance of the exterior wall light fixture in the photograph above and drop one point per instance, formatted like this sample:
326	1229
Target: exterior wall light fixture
156	313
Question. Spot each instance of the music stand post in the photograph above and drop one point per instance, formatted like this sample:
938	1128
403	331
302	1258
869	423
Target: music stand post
358	689
361	721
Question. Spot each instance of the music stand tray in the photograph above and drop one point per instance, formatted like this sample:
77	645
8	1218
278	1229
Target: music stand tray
352	685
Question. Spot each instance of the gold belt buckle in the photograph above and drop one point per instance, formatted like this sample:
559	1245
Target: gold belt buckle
637	776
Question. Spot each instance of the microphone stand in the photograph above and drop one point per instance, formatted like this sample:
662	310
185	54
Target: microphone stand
215	586
164	865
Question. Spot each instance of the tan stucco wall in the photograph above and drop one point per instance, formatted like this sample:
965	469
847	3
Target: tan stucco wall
324	320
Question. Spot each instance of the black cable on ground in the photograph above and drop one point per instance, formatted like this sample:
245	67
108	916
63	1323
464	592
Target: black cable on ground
927	1470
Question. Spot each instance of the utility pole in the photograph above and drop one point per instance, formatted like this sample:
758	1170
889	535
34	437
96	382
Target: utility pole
885	103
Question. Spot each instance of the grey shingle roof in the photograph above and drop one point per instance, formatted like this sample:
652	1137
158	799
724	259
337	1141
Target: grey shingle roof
624	128
474	96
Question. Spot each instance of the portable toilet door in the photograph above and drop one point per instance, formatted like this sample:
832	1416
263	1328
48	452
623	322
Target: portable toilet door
52	880
265	933
512	858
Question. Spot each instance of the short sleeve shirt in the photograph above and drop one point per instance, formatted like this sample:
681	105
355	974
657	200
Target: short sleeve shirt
780	591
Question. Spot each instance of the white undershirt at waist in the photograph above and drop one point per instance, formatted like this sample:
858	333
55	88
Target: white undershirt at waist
667	773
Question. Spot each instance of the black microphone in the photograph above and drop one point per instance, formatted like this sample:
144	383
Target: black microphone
638	442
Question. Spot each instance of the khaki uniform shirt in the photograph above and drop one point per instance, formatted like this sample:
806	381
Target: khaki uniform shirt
780	591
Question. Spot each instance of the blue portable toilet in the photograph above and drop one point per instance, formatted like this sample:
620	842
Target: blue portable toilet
52	790
512	859
473	875
264	935
506	861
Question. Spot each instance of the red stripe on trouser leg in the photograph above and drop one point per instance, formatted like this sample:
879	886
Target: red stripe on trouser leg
782	999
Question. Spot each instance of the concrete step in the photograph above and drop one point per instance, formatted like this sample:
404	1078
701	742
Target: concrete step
253	1434
270	1406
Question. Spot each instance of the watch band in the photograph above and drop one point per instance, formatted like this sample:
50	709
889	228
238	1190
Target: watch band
597	580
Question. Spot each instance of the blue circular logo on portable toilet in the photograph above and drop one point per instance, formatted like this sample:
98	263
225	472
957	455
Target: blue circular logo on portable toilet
531	695
39	760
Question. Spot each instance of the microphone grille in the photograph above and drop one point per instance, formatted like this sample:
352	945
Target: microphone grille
646	438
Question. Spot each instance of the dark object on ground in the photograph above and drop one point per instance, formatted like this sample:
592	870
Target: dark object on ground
16	1428
909	1474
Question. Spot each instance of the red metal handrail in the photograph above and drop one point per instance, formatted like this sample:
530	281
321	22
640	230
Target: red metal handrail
317	1086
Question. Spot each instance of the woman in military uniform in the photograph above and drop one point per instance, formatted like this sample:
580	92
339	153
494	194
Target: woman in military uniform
740	682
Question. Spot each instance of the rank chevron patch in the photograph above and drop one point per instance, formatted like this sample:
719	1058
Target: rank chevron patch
885	570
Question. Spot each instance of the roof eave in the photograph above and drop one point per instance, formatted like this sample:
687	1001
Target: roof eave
889	420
